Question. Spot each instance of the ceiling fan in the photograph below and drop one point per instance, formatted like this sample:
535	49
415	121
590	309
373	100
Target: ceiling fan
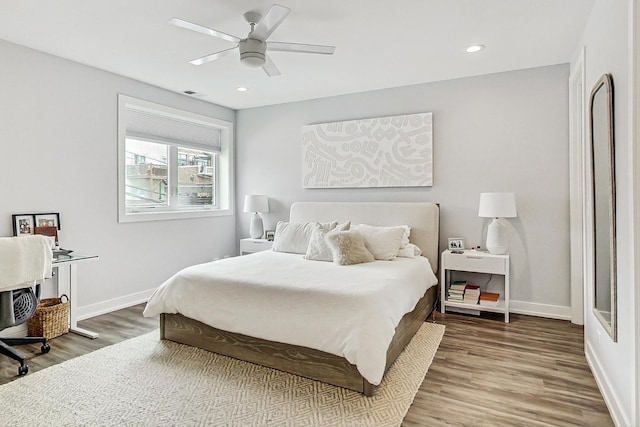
253	49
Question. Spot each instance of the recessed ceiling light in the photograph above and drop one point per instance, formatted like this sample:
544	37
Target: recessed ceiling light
242	89
475	48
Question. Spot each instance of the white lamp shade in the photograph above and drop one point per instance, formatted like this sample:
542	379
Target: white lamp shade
256	203
497	205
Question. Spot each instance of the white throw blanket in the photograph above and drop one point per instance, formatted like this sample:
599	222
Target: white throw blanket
24	260
350	311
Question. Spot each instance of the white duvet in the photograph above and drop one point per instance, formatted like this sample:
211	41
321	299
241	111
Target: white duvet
350	311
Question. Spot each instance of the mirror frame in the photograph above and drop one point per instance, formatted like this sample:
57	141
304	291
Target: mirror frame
605	83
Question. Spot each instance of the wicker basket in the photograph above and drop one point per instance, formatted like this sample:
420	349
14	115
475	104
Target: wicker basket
51	318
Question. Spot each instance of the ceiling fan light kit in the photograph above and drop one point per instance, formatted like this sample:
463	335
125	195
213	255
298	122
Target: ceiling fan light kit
252	52
253	49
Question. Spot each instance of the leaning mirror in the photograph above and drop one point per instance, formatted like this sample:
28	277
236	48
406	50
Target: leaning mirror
604	204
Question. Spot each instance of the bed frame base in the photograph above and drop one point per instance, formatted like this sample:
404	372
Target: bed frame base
293	359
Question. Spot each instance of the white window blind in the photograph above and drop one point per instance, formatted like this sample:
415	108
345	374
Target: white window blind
172	163
153	127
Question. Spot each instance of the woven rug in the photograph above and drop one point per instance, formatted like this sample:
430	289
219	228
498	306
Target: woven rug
147	382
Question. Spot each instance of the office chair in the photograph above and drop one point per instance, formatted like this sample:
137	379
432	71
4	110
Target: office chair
16	307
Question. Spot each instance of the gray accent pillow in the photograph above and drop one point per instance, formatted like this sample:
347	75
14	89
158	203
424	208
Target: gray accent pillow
348	248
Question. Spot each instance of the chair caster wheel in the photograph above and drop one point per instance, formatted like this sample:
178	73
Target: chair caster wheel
23	369
45	348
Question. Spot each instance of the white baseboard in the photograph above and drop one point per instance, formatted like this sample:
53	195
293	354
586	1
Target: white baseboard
88	311
540	310
608	393
92	310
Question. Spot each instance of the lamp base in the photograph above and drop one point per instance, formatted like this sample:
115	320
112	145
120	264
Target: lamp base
256	229
497	237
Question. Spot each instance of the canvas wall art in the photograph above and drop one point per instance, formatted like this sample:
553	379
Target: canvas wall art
394	151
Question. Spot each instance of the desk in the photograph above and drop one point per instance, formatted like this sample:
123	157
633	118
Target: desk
67	284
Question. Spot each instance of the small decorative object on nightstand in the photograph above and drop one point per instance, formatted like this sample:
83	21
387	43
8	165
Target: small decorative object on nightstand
249	246
474	262
456	243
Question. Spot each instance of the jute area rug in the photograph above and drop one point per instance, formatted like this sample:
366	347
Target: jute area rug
147	382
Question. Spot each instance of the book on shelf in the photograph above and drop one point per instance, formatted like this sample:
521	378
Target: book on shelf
471	294
458	286
489	299
456	291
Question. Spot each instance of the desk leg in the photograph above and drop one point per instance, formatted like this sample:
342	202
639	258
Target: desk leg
67	277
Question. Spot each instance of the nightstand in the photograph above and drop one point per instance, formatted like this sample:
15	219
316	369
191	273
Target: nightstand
474	262
249	246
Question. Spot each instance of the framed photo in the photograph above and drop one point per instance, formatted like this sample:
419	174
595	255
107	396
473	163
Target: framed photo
269	234
47	220
23	224
456	243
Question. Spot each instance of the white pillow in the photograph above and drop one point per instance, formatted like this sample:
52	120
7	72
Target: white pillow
410	251
293	237
318	249
405	236
383	242
348	248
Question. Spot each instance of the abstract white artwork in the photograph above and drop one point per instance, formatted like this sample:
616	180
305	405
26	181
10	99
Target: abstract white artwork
394	151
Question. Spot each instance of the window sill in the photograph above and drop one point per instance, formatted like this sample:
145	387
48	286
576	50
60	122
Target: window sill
161	216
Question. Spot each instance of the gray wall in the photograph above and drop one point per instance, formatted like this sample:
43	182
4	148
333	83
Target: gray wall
606	38
58	141
501	132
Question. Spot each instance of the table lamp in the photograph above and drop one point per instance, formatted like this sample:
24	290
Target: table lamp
256	204
497	206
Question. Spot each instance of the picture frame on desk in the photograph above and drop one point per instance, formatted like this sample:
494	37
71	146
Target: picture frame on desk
47	220
269	235
456	243
23	224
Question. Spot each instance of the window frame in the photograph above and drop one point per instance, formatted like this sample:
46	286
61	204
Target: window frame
223	167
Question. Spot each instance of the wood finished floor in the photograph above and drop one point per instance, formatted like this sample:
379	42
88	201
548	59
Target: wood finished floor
531	372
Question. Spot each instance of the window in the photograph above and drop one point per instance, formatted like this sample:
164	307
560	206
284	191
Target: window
171	163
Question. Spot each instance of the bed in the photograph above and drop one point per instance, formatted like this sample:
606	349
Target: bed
343	325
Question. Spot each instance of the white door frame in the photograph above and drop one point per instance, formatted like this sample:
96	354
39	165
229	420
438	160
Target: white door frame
577	132
635	190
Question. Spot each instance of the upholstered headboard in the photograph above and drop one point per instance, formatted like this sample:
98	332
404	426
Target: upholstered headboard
422	217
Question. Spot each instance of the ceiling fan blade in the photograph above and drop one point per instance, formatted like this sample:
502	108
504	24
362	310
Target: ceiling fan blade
204	30
270	22
270	68
299	47
213	56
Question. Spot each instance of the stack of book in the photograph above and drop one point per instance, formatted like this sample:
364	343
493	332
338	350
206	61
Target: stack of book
456	291
471	294
489	299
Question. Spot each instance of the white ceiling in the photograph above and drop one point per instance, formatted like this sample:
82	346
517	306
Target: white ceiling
379	44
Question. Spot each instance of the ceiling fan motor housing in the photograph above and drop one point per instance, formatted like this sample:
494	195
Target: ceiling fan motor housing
252	52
